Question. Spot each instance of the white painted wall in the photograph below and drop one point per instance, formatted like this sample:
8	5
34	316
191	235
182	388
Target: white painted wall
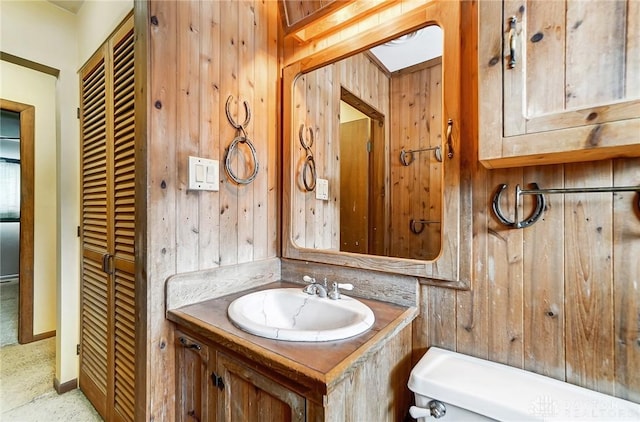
96	21
39	90
41	32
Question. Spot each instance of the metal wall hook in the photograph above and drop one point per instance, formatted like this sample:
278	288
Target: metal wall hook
241	138
516	224
417	226
406	157
540	201
232	121
309	162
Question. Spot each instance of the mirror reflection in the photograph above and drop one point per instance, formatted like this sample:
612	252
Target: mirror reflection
367	160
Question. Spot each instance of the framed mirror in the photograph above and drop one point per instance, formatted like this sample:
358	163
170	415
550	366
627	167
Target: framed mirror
372	178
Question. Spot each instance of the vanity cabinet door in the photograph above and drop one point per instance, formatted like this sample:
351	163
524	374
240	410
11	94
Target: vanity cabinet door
195	395
558	81
248	395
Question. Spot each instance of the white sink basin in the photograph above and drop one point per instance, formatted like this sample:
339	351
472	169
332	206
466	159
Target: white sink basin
292	315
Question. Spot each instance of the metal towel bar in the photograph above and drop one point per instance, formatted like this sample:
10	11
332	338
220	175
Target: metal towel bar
540	201
417	226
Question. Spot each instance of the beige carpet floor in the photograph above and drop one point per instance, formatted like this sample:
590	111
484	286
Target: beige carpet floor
8	312
26	376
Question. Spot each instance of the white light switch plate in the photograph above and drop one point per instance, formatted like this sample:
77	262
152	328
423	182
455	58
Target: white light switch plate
204	174
322	189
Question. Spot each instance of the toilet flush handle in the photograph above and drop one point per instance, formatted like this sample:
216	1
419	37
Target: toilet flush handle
435	408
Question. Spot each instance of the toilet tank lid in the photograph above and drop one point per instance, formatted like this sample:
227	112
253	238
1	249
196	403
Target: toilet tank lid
506	393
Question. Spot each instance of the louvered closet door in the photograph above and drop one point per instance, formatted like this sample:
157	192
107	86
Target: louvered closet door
124	213
107	359
95	301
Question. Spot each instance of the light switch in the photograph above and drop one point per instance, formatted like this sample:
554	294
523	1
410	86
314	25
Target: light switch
212	173
203	174
322	189
200	173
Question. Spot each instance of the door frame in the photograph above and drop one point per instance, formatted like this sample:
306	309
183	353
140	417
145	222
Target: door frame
27	152
378	243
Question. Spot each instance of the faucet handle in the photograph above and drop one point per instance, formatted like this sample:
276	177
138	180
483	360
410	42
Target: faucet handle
335	291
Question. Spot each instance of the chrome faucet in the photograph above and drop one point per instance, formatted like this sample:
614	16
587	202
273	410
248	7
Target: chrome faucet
314	288
322	290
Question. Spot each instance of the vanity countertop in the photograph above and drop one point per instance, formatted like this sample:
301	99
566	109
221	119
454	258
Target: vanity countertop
318	365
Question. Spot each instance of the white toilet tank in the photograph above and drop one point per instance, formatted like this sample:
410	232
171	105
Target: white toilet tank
457	387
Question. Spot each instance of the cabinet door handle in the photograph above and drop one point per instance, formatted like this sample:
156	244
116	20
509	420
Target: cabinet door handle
107	263
217	381
512	42
189	344
449	139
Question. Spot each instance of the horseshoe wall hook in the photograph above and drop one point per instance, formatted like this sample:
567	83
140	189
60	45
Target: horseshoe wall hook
516	223
232	121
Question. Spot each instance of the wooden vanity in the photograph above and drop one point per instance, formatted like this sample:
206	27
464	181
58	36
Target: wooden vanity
226	374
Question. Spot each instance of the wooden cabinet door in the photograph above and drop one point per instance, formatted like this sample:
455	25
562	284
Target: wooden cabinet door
194	400
558	81
247	395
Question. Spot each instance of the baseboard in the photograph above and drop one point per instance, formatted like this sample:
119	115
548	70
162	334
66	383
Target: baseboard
64	387
42	336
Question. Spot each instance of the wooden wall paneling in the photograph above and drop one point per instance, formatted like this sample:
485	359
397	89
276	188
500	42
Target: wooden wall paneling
229	191
274	146
415	132
442	317
210	123
262	105
626	276
188	134
160	234
198	55
313	206
401	195
434	188
143	103
632	47
589	279
297	159
247	25
544	298
505	277
329	156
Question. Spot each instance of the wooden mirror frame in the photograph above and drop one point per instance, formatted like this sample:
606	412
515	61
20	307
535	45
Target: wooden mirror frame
452	268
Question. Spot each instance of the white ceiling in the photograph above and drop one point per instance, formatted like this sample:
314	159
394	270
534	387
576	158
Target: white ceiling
71	5
425	44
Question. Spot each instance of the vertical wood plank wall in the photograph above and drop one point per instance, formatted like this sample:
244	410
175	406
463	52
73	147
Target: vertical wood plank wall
317	104
200	53
416	113
560	298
